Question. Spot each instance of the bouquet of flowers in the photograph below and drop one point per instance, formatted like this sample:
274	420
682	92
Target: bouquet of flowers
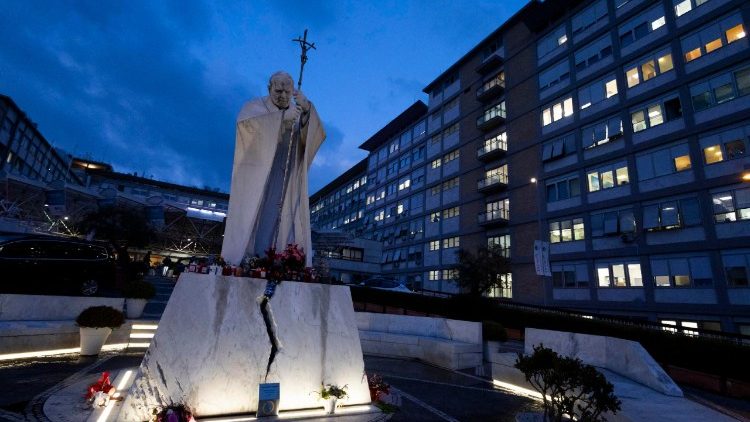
293	259
377	387
174	413
98	393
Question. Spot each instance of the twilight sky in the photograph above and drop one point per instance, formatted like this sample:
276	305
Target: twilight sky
154	86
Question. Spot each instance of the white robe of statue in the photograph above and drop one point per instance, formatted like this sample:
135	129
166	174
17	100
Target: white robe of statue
259	134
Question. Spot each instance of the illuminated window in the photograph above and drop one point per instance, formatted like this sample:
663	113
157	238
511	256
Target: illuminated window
566	230
619	274
607	177
434	245
557	111
713	37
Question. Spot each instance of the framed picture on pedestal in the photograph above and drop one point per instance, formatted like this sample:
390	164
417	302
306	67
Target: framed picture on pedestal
268	399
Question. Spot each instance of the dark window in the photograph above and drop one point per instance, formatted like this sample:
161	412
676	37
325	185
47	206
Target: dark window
743	81
735	149
673	109
737	276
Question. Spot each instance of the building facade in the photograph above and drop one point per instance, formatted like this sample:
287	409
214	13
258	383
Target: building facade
615	130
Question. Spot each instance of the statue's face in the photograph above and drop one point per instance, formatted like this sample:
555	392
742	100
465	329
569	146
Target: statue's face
280	91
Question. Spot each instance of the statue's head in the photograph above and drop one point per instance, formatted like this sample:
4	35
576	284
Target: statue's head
280	89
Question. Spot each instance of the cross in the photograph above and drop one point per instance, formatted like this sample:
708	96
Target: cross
304	45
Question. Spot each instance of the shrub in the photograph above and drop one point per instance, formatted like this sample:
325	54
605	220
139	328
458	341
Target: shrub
139	290
494	331
100	317
569	388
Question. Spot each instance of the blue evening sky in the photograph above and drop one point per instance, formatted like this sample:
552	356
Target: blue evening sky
154	86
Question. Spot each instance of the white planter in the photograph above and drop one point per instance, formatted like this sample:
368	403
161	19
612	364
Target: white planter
135	307
92	340
329	406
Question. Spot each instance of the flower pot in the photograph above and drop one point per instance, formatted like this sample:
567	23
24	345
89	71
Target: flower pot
134	307
92	340
329	406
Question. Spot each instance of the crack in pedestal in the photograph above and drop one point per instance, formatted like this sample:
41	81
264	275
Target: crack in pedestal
265	310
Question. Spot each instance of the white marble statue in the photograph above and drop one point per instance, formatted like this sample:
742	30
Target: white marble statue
275	145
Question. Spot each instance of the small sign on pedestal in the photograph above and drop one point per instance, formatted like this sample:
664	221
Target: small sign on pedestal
268	399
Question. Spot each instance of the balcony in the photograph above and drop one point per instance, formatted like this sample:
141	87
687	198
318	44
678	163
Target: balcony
493	218
492	117
490	90
493	151
492	61
493	183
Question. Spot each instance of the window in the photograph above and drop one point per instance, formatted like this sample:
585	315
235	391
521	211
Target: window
641	25
419	129
436	163
379	215
597	92
496	175
451	242
663	161
713	37
557	111
682	272
666	109
727	145
450	130
392	188
451	212
502	242
497	209
435	217
589	16
735	268
672	214
608	176
434	245
731	205
497	80
566	230
352	254
566	188
417	154
649	67
569	276
499	141
619	274
554	75
404	183
434	275
720	89
451	274
404	162
683	6
393	148
451	156
498	110
601	132
550	43
435	190
450	184
436	139
392	168
612	223
559	147
504	289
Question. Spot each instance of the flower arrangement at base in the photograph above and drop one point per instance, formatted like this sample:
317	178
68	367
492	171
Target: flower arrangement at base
378	387
99	393
173	413
331	393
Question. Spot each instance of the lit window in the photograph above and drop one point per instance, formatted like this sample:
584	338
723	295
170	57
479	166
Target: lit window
611	88
658	23
713	45
735	33
632	76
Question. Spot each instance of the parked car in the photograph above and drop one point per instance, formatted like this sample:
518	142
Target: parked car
385	284
36	264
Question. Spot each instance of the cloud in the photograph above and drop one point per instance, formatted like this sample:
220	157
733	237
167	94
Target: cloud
334	157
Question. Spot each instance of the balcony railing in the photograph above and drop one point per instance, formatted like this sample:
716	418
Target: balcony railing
492	150
496	181
492	117
492	61
491	89
494	217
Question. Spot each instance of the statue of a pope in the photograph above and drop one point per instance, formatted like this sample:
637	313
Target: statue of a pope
275	145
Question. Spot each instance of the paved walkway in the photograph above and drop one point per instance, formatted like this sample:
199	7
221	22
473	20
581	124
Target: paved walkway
426	393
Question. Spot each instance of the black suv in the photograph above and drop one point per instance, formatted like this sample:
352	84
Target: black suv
35	264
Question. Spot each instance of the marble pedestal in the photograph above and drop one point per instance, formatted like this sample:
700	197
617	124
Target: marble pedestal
211	349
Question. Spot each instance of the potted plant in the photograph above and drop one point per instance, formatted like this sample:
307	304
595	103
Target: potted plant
96	324
137	294
330	394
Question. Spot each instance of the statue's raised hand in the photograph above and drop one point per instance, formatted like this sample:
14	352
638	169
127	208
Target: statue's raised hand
292	114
